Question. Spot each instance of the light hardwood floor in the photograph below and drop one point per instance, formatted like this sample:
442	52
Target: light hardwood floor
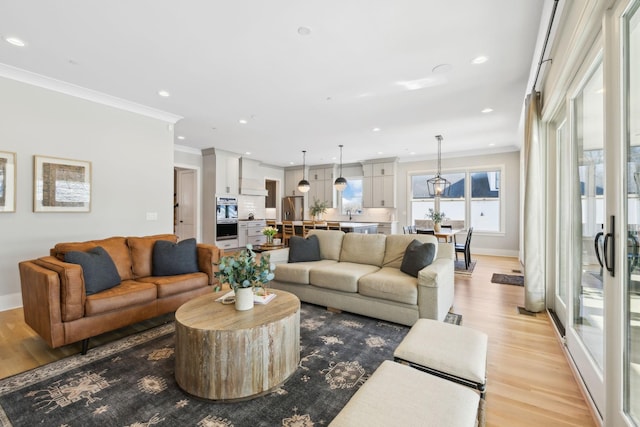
529	379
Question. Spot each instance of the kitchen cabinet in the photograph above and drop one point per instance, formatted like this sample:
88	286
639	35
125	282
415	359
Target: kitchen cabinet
227	173
250	232
378	185
388	227
321	180
291	179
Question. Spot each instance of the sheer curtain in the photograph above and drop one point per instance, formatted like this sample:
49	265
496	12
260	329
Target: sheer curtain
534	224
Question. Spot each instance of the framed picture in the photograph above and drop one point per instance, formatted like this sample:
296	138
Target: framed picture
61	185
7	181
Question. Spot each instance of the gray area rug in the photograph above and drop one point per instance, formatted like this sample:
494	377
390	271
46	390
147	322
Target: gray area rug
131	382
507	279
460	268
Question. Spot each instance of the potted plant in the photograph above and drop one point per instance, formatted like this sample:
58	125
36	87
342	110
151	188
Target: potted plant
243	272
318	208
269	232
436	217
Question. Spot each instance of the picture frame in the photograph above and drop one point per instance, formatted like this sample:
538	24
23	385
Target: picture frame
61	185
7	181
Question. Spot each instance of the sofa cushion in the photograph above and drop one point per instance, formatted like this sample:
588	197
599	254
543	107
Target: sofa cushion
304	249
127	294
298	272
170	259
363	248
330	243
396	246
390	284
341	276
178	284
115	246
142	252
417	256
98	269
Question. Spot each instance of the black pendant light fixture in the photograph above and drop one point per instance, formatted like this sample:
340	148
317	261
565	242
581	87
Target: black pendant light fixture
303	185
340	183
438	186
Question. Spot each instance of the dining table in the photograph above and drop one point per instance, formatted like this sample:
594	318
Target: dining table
447	234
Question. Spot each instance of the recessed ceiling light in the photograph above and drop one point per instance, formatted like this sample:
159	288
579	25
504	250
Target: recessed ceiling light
380	152
248	153
180	137
375	130
492	144
290	163
479	60
242	121
164	93
487	110
15	41
304	31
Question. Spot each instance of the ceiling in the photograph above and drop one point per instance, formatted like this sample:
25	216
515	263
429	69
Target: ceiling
303	74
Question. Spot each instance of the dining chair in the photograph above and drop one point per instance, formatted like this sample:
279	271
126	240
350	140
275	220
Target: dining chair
288	230
307	226
333	225
431	232
449	227
465	249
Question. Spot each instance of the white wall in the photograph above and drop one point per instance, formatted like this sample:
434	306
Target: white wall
132	167
506	244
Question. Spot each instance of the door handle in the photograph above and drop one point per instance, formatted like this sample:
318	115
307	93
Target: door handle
612	252
597	247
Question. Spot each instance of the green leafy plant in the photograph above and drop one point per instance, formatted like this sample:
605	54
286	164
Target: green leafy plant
269	231
242	270
435	216
318	207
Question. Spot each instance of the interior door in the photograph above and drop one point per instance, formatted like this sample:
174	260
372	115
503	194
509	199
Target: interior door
582	193
186	203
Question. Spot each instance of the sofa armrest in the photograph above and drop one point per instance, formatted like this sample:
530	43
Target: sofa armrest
208	258
72	287
278	256
41	301
446	251
436	289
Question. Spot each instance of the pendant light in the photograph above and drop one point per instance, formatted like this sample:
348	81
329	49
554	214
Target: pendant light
340	183
303	185
438	186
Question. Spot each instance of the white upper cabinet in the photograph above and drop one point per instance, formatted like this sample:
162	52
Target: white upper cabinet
321	180
291	179
378	185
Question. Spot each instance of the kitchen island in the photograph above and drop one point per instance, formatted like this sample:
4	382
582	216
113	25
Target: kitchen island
347	227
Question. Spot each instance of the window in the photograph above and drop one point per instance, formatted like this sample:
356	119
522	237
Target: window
474	199
485	200
351	197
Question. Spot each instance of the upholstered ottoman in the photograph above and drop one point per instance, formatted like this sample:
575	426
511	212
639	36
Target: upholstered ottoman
398	395
456	353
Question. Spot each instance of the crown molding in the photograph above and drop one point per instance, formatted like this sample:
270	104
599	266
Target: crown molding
70	89
185	149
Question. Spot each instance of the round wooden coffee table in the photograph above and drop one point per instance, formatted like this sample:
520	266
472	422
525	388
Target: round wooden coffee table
224	354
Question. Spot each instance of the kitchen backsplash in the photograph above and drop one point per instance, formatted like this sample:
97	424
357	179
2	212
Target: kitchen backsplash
251	204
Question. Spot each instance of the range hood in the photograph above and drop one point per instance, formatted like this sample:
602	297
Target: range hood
250	184
252	187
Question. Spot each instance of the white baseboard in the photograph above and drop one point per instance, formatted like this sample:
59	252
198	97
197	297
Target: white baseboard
11	301
495	252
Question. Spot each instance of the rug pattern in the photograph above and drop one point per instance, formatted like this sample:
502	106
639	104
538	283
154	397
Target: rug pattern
131	382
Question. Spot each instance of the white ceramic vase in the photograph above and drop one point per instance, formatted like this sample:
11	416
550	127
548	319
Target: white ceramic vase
436	227
244	299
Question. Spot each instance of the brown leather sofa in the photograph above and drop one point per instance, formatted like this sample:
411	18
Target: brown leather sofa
58	309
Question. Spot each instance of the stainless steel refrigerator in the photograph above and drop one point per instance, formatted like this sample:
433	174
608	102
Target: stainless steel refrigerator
293	208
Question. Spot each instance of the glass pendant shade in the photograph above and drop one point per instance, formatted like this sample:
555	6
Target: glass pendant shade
303	185
340	183
438	186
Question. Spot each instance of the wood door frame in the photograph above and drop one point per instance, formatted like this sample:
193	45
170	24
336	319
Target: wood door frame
197	192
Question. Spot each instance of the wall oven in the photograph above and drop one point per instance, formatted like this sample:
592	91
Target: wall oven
226	218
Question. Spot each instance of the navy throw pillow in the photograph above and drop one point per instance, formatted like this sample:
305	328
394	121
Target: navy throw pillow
98	269
170	259
301	249
417	256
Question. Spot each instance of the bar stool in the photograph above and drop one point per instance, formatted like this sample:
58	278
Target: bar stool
288	230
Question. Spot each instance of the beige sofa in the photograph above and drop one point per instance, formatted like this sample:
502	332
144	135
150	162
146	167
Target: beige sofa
360	273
